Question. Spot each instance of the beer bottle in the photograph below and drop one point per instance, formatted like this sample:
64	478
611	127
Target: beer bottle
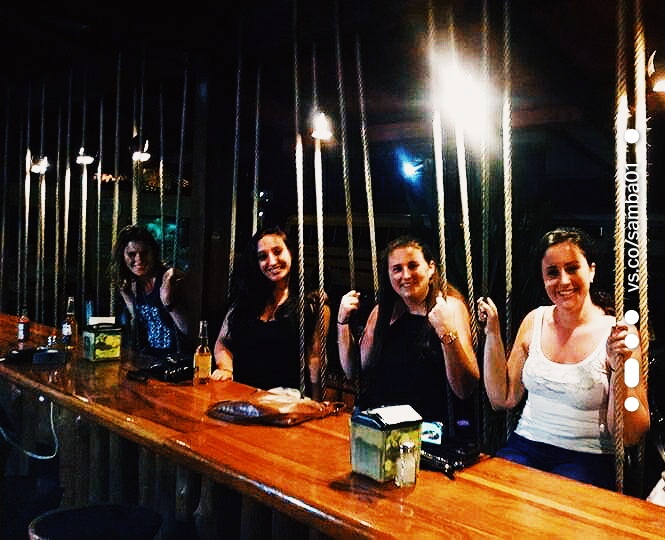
23	325
202	356
69	327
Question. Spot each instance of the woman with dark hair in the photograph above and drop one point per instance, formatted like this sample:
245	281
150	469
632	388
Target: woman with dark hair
152	292
259	342
565	358
416	340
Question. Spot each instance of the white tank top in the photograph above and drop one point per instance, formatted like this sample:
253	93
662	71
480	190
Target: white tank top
566	404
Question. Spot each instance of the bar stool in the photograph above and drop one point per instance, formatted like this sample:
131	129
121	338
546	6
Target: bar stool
97	522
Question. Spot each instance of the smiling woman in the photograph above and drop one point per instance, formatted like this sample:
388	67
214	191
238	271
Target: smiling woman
259	342
416	343
565	359
152	293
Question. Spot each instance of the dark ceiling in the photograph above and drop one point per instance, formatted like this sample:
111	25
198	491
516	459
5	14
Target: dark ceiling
564	51
563	55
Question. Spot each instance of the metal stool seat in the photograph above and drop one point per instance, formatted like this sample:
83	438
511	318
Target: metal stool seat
97	522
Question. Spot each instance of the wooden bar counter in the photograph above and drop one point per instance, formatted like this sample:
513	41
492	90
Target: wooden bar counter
305	472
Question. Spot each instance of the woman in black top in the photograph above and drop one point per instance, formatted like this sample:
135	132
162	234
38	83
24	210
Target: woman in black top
259	341
415	342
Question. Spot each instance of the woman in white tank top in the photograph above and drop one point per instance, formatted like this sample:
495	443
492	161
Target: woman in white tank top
564	357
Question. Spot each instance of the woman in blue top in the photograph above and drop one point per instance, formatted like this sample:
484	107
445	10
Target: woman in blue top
152	292
565	359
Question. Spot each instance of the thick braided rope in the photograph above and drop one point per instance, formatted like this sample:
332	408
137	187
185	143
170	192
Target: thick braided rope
138	132
368	173
507	169
461	167
116	175
345	158
464	198
437	139
318	185
98	279
484	156
39	290
234	181
162	226
619	221
482	403
318	193
506	122
68	180
181	161
83	223
56	241
641	160
5	155
257	129
300	194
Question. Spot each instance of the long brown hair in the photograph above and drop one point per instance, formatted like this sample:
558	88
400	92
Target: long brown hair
388	298
118	272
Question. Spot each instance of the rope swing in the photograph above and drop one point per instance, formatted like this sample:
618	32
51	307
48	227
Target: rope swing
366	168
635	171
300	195
506	129
181	161
318	195
437	136
621	124
641	160
345	153
464	198
255	190
234	183
116	175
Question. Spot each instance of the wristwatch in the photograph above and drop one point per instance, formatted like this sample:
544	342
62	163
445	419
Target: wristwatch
449	338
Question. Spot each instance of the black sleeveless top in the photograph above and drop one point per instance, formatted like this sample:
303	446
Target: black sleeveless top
410	370
266	354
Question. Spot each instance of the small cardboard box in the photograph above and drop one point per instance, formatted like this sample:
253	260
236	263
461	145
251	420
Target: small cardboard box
376	435
102	342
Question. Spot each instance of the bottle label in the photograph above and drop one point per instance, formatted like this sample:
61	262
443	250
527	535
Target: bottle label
202	366
66	329
21	331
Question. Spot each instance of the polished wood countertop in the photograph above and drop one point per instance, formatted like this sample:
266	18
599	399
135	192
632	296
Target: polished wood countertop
305	470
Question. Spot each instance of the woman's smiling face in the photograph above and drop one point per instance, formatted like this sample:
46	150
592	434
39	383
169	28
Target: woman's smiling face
410	273
274	257
139	259
567	274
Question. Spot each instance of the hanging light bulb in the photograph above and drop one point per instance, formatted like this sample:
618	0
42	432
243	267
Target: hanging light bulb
83	159
322	129
39	165
142	156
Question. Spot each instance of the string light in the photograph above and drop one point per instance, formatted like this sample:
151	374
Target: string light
322	130
141	156
39	165
83	158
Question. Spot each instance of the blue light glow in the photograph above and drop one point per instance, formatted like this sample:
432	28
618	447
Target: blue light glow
410	168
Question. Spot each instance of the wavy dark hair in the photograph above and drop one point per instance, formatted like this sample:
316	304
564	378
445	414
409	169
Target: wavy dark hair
587	246
252	290
118	271
389	300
